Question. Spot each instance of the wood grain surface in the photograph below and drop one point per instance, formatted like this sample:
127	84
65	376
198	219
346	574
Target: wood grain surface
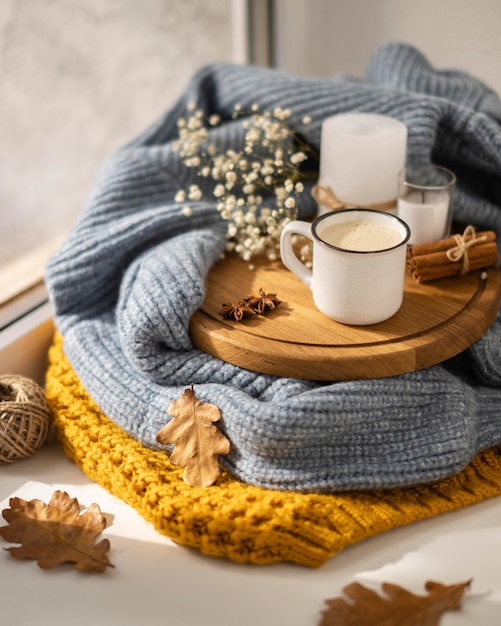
436	321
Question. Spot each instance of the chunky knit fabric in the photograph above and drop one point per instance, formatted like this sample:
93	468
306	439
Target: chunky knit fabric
236	520
132	271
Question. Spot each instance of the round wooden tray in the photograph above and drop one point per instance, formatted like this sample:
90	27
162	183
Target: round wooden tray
437	320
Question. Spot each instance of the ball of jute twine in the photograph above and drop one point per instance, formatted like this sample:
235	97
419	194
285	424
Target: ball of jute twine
25	417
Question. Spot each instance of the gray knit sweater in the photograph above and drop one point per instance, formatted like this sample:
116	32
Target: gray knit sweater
132	271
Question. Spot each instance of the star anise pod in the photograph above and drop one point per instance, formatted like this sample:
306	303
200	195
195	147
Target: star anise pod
237	310
262	301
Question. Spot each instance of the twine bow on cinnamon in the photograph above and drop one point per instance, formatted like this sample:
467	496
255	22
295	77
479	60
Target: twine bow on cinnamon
453	256
460	250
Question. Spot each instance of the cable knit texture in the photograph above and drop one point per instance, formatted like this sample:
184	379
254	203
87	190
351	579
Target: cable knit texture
236	520
132	271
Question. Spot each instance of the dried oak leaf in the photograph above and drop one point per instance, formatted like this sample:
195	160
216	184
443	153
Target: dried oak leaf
398	607
56	533
198	443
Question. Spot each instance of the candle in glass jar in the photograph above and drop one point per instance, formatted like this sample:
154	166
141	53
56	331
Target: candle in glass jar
425	201
428	220
361	155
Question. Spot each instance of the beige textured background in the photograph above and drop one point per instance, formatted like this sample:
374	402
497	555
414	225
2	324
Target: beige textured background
78	78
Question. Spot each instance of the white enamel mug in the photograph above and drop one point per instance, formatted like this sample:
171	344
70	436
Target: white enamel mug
359	259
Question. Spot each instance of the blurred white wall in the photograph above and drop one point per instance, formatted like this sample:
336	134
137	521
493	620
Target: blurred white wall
78	78
325	37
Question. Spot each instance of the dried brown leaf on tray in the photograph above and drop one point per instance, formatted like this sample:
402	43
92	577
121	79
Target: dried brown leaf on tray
198	443
362	606
57	533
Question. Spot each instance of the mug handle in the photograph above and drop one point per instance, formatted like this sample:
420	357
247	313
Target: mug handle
289	259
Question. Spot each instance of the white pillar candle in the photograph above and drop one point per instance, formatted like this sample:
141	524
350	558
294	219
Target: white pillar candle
428	221
361	155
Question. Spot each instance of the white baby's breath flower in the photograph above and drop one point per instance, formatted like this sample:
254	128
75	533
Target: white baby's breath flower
194	123
268	160
280	194
298	157
306	120
252	135
281	114
239	219
267	170
195	193
251	177
219	191
193	161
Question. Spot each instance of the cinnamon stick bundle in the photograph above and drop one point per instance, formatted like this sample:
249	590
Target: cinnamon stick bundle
453	256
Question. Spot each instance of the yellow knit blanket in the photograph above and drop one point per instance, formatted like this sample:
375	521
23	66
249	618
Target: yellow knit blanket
236	520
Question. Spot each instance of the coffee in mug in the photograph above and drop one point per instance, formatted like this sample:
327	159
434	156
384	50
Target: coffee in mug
359	259
361	235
